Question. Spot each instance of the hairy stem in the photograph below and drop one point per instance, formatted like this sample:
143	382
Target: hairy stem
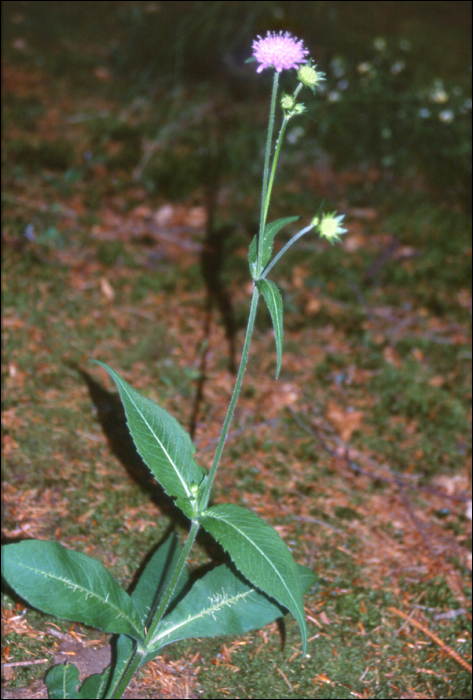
117	690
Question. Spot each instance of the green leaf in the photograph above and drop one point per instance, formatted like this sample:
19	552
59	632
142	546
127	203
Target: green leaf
222	602
156	575
253	257
69	585
63	682
146	595
260	554
163	445
307	578
270	230
273	301
123	648
94	686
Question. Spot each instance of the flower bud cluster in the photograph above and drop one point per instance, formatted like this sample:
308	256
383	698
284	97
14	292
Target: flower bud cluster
290	107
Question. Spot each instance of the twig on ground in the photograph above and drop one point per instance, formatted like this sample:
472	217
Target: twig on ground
448	650
34	662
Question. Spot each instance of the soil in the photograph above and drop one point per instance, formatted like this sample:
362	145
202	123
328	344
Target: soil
90	660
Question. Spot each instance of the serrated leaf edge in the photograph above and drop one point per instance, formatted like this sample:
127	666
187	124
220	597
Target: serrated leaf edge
124	384
212	514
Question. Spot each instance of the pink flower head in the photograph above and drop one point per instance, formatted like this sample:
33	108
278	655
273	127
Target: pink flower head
281	51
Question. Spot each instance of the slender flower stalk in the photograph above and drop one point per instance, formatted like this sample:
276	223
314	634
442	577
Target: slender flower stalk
276	153
283	250
264	194
282	52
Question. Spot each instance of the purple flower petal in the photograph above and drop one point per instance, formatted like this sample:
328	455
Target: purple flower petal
279	51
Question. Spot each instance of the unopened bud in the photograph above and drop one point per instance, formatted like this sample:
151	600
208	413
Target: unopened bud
309	76
287	102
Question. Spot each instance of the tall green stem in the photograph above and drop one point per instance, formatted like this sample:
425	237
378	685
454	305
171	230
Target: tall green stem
275	162
276	154
117	690
133	664
134	661
264	194
231	409
173	582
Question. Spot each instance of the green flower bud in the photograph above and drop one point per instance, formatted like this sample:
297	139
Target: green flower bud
287	102
310	77
330	226
298	108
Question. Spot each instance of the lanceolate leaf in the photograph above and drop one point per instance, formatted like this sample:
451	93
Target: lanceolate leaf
222	602
162	443
273	300
253	257
69	585
260	554
270	230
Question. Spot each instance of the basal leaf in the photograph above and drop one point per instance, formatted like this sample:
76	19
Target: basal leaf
150	584
270	230
223	602
260	554
69	585
63	682
273	301
163	445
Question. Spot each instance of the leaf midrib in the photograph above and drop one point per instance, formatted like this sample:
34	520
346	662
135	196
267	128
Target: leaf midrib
208	611
81	588
222	519
160	443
